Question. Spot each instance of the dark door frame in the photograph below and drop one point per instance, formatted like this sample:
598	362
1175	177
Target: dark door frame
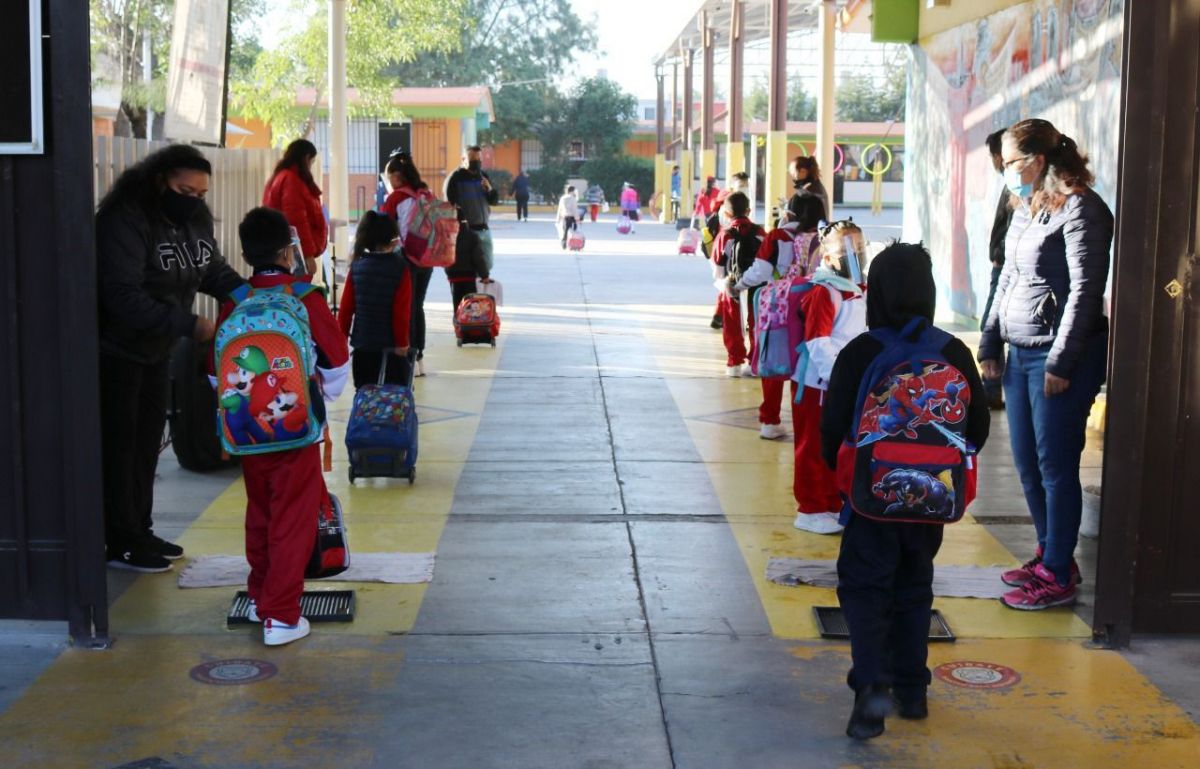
1156	217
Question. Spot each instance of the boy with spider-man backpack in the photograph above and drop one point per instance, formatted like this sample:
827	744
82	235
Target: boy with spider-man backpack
904	415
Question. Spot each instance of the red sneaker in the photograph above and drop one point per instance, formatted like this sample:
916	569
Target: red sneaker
1042	591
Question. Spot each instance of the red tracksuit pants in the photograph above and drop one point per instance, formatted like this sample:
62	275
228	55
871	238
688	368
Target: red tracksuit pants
284	492
813	483
732	332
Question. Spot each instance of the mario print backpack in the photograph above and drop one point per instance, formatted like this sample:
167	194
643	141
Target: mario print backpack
265	361
908	458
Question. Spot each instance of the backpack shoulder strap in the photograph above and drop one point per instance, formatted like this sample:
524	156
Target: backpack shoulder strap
300	289
241	293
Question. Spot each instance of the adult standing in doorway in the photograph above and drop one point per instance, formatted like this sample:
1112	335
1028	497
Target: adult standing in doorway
520	192
406	184
471	191
1004	213
155	248
806	179
1049	308
293	191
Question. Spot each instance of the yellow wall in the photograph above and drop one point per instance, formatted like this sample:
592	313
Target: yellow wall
944	17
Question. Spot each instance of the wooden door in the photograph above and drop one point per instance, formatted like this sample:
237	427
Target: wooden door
1149	571
431	152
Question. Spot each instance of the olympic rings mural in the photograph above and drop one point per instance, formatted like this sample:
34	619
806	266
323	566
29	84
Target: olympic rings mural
840	154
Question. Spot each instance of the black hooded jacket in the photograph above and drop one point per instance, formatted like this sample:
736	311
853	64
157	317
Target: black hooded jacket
149	273
899	288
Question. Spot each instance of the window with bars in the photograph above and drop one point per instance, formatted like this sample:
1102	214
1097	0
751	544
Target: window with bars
531	154
362	144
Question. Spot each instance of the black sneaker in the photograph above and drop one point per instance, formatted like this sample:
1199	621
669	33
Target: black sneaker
138	560
717	323
168	550
871	707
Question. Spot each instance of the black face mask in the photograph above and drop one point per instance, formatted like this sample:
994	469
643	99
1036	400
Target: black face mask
797	184
474	166
180	208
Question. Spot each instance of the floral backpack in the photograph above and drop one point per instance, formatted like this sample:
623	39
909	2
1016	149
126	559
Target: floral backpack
775	352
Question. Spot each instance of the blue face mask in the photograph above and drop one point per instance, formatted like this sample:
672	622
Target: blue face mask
1012	180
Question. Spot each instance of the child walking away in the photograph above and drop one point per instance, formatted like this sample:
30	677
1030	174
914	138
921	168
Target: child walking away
565	218
786	255
630	206
376	302
734	252
407	186
470	266
904	413
272	415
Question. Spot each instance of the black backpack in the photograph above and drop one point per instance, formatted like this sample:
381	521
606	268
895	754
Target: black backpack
744	250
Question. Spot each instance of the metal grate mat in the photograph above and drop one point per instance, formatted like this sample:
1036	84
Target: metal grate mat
832	624
315	606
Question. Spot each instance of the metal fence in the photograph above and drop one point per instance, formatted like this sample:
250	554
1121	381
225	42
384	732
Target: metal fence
237	186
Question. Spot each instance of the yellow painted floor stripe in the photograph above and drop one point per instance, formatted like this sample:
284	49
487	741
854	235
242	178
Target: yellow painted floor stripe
382	515
753	482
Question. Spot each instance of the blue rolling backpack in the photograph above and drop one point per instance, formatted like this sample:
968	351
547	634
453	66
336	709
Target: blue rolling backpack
381	436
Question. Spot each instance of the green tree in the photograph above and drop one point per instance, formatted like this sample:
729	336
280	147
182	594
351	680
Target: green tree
612	172
118	29
518	48
861	99
801	105
379	34
601	115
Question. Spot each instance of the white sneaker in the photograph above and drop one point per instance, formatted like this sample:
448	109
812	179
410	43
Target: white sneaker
818	523
419	369
746	370
275	633
771	432
733	372
252	613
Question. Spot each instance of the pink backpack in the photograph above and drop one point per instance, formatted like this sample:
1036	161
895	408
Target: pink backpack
778	330
432	231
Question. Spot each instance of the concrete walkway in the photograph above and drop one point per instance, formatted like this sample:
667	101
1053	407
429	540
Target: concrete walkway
602	512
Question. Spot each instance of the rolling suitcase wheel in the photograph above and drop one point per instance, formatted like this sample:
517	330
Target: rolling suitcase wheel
459	342
412	476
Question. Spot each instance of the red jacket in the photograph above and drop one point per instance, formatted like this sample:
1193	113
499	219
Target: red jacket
301	205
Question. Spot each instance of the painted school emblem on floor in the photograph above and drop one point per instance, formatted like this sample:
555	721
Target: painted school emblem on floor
233	672
977	675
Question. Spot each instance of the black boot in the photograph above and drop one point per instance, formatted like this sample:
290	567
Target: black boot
913	708
717	323
871	707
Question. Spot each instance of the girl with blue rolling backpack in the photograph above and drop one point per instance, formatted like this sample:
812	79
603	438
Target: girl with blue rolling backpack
381	436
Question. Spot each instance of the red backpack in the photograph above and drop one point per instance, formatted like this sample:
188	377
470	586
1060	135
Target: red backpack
908	459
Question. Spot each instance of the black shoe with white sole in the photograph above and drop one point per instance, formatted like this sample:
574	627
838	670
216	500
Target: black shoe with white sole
141	561
168	550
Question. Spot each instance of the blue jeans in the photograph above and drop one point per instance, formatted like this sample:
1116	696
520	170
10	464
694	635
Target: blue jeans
1048	436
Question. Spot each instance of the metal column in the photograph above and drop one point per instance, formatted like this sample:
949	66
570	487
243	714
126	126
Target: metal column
825	99
339	179
735	158
675	110
686	165
708	147
662	177
776	160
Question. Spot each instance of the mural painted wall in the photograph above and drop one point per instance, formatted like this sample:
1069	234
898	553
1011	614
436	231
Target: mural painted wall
1059	60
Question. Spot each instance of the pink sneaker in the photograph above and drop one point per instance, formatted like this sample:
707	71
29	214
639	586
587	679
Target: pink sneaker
1040	592
1018	577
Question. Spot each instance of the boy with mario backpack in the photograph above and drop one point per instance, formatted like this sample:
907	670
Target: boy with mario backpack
279	354
903	417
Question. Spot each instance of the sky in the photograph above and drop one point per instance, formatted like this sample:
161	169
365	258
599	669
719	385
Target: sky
627	41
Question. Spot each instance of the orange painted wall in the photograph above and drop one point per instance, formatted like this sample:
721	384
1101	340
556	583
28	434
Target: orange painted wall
507	156
102	126
641	149
259	137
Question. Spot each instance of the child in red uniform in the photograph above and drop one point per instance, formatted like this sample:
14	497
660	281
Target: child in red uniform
734	251
832	312
775	257
285	490
377	302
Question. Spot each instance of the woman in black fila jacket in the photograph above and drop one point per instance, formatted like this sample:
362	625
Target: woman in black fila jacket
155	249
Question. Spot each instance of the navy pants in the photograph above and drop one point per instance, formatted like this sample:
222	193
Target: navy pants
420	286
885	587
1047	437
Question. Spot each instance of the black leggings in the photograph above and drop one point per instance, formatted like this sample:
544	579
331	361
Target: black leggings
133	413
364	365
569	224
522	207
